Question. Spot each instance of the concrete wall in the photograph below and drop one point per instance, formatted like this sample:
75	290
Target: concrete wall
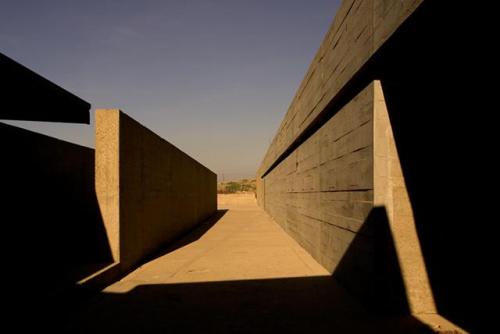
342	196
80	215
391	194
51	224
28	96
322	193
332	176
149	191
357	32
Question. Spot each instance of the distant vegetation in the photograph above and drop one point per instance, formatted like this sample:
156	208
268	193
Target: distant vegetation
232	187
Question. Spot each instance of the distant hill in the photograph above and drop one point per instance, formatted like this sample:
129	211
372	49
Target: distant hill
240	186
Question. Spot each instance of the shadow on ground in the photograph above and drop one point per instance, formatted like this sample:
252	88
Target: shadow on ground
439	129
191	236
370	270
292	305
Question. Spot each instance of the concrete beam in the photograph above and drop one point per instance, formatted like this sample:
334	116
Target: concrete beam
28	96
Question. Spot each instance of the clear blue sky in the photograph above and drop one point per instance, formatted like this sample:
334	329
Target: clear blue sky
213	77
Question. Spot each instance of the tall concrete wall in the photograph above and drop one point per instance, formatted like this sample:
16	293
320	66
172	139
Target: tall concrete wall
391	194
357	32
322	193
341	195
76	211
332	176
149	191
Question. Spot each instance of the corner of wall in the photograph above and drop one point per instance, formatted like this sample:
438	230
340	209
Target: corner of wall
107	161
390	192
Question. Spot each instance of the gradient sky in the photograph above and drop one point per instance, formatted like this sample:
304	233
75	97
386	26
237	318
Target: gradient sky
213	77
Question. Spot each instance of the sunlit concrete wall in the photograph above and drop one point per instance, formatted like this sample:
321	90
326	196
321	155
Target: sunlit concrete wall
323	192
358	30
342	196
149	191
336	185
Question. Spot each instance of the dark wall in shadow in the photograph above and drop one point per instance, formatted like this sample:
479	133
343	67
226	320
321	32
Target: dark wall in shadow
26	95
52	229
370	270
435	102
288	305
432	71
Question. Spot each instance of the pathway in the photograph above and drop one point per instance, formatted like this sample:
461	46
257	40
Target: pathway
238	273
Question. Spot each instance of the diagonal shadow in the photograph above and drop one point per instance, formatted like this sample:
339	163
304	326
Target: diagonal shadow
291	305
433	106
190	236
370	268
296	305
49	209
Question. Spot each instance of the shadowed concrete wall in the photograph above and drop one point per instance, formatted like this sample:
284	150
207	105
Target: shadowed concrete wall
148	190
322	192
50	218
28	96
325	194
332	176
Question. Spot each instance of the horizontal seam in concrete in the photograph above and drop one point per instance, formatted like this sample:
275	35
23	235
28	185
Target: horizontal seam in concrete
345	16
358	81
352	88
346	154
308	79
335	225
351	131
359	220
313	109
328	191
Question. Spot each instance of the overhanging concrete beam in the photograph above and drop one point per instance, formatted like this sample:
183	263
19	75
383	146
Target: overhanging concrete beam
28	96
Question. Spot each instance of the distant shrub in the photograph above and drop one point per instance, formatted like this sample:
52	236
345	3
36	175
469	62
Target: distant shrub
232	187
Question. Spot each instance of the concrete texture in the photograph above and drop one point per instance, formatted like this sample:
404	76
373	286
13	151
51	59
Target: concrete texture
149	191
341	174
326	193
341	195
390	193
243	244
77	218
359	29
28	96
237	273
323	192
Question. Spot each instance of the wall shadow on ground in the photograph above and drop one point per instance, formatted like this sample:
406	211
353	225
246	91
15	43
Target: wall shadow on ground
287	305
53	233
190	236
370	269
116	271
431	105
433	98
444	207
295	305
